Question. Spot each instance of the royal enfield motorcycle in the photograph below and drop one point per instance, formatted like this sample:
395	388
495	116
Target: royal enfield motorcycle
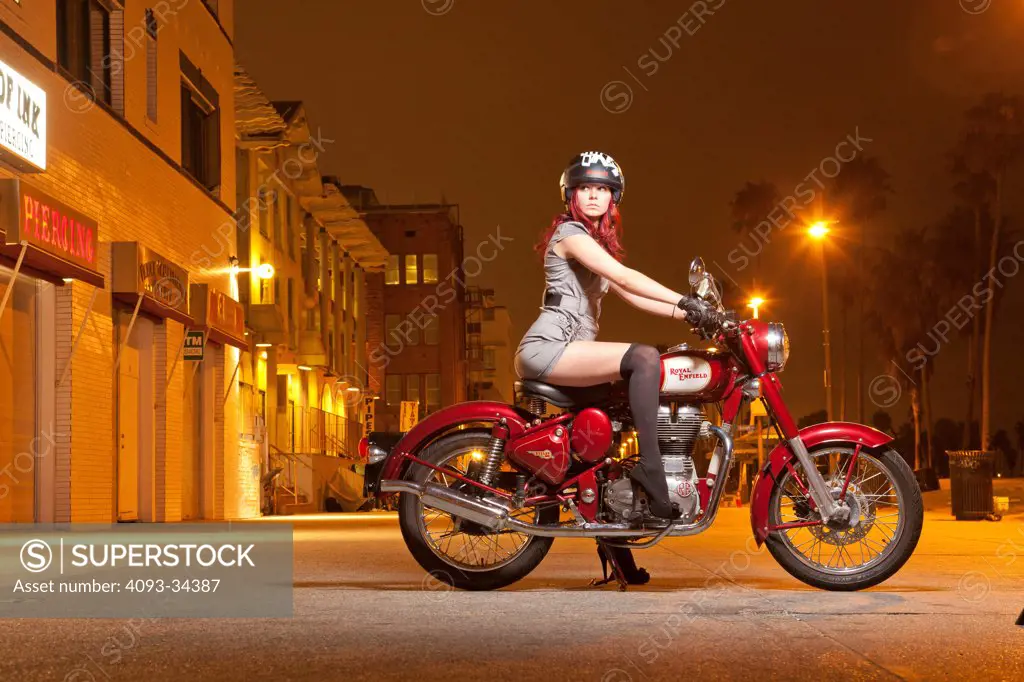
485	488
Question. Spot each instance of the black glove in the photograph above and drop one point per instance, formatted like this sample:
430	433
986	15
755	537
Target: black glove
700	314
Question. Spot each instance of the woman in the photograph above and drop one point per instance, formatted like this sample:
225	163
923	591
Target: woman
582	261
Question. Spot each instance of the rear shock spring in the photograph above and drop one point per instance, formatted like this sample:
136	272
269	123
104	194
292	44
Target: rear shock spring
536	405
492	459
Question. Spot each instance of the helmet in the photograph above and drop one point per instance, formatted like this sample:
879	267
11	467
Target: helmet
592	168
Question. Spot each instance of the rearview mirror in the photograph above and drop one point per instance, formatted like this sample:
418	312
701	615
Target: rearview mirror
696	271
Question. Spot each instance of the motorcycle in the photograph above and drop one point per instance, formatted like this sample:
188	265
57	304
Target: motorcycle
483	485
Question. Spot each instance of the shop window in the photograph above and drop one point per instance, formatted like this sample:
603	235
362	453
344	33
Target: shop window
393	389
429	268
86	32
18	428
391	274
200	127
411	269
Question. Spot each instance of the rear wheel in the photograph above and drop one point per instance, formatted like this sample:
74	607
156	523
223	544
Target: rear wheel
458	552
882	532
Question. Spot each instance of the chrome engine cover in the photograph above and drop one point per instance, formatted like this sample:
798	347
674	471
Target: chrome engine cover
678	432
682	490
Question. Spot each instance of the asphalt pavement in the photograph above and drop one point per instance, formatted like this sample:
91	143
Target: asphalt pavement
716	608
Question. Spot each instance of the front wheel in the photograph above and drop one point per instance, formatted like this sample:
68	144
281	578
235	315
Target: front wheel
886	516
455	551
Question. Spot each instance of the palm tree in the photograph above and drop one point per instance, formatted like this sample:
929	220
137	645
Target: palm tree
859	194
992	143
750	207
1019	428
975	190
900	321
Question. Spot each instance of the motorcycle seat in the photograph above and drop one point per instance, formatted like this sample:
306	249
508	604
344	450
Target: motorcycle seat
563	396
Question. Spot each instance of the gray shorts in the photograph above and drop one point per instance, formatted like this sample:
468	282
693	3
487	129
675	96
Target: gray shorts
547	338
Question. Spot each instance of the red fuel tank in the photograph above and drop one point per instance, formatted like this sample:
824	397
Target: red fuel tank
703	374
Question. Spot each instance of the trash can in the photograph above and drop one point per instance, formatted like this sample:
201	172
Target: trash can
970	483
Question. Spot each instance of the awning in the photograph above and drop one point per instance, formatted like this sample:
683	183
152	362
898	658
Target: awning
219	315
59	242
163	285
267	321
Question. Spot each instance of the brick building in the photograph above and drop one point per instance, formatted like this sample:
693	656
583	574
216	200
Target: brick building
117	174
416	308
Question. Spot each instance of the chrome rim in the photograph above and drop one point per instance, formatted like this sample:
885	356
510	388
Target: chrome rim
877	518
446	535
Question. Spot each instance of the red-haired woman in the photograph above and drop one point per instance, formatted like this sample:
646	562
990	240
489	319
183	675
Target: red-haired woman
582	260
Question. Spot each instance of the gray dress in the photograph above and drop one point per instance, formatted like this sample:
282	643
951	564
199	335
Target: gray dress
575	318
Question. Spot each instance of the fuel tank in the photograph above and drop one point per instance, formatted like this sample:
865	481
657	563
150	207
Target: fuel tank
698	373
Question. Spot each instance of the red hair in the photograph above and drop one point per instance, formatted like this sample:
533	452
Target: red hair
607	231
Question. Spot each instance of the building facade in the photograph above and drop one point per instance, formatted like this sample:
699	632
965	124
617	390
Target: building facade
304	380
416	307
488	347
117	170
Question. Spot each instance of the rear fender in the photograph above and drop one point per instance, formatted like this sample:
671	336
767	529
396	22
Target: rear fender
448	419
812	436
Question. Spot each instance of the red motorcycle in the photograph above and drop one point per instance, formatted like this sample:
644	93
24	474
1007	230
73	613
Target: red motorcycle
483	485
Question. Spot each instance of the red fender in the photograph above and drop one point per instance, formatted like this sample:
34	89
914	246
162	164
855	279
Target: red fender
444	420
829	432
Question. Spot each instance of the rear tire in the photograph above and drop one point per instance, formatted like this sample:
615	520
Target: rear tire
410	515
902	480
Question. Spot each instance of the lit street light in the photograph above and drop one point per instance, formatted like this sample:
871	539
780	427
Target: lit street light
755	303
818	231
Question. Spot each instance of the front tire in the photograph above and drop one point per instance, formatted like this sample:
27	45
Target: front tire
851	557
452	566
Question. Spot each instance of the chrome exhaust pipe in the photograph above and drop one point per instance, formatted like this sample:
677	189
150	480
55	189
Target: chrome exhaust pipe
490	515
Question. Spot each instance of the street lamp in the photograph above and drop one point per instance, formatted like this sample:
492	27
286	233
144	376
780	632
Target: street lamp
818	231
755	303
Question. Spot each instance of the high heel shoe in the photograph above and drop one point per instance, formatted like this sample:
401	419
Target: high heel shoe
627	564
656	487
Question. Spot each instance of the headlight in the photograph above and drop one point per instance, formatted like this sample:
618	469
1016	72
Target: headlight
778	347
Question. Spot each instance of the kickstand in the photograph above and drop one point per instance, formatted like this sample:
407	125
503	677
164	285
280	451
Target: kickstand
616	572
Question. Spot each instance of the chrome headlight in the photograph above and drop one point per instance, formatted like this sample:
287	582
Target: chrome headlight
778	347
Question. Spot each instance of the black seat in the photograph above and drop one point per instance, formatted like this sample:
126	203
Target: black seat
563	396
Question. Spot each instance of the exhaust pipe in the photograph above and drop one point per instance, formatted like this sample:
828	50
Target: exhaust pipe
494	516
490	515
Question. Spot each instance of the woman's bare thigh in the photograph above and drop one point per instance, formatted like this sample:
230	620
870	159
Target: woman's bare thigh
585	363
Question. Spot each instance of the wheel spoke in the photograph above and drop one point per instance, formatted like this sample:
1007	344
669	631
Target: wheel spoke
873	497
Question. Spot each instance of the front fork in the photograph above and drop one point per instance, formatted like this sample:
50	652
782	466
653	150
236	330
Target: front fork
817	487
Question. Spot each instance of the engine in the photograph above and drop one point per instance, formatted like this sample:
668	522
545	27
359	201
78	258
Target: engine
679	427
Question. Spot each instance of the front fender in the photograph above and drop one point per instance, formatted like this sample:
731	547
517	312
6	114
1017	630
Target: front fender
446	419
829	432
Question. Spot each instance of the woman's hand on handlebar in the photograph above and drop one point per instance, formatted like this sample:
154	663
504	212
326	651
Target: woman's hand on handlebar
701	314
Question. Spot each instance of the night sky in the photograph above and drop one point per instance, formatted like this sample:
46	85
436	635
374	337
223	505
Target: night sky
485	102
